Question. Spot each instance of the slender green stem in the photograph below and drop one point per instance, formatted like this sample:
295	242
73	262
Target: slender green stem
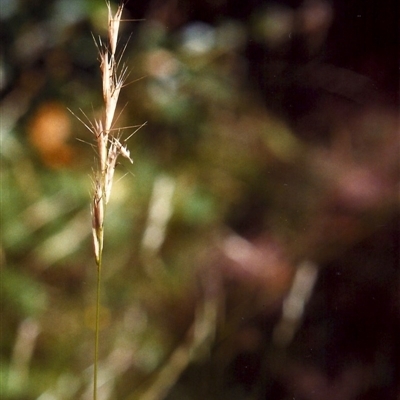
97	324
96	342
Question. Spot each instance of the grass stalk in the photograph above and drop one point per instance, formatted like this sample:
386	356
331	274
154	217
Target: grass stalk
110	146
97	329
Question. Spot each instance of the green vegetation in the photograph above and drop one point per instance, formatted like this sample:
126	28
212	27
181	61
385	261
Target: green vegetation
226	197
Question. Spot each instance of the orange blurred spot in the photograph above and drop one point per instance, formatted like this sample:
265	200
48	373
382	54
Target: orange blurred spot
49	131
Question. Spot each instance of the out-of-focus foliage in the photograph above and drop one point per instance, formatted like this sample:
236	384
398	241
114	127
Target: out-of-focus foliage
255	159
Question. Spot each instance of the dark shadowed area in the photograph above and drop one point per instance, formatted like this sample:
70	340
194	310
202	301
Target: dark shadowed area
251	250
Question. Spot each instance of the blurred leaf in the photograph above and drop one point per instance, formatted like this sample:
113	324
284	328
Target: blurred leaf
24	294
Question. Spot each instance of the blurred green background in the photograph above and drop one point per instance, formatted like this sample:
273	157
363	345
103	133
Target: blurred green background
270	156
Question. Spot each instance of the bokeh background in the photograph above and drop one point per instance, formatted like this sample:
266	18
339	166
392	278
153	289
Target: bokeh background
252	249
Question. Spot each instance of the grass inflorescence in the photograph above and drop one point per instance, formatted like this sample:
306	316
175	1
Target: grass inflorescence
109	145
